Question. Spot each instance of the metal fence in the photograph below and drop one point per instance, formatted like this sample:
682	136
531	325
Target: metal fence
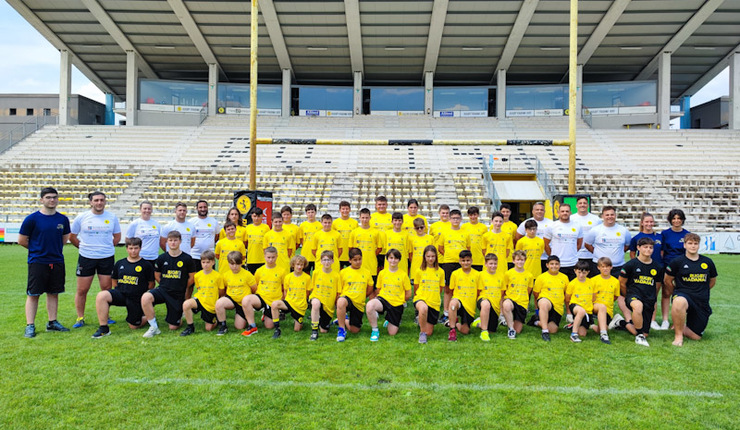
19	133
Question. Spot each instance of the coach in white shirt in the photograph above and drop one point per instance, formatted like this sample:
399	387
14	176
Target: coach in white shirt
148	230
608	240
206	232
181	224
587	221
563	238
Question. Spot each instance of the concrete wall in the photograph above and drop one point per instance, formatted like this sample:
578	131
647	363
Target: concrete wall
168	118
712	114
621	121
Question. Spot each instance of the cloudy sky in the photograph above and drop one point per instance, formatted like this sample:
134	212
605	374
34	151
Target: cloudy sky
31	65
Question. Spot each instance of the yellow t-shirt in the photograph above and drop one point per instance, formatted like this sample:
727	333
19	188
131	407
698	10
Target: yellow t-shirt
224	247
207	287
606	290
296	289
490	288
269	283
552	288
325	288
415	245
327	241
518	286
508	227
428	285
255	234
238	284
408	223
367	241
393	240
453	241
292	229
284	242
344	227
381	221
241	233
534	249
499	244
582	294
464	287
305	236
355	284
476	232
392	286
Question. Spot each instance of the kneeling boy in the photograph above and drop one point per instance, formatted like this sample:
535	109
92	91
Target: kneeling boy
580	300
269	279
549	293
296	287
238	283
209	286
393	288
606	288
464	287
357	285
490	286
517	288
326	284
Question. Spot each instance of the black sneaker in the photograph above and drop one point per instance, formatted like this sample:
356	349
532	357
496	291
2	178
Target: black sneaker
277	333
314	335
30	331
188	331
532	320
546	336
55	326
100	332
222	330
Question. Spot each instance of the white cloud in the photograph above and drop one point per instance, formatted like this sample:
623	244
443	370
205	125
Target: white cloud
90	91
717	87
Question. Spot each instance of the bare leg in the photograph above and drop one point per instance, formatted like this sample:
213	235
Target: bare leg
485	313
147	305
372	309
102	306
680	307
83	286
342	312
52	304
32	306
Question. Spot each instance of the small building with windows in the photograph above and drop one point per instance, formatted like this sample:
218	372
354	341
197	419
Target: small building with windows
16	109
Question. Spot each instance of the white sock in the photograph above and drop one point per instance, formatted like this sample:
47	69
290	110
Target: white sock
153	323
544	330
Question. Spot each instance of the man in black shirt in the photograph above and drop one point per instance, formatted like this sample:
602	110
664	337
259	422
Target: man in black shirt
132	277
639	281
689	278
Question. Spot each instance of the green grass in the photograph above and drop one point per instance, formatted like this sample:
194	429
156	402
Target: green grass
68	380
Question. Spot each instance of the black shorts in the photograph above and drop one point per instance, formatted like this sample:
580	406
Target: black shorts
509	265
449	268
238	307
174	305
519	313
647	310
324	318
697	315
343	264
198	266
381	261
355	315
595	318
492	318
309	268
134	313
432	314
570	272
204	314
296	316
594	268
587	320
252	267
266	309
90	266
615	271
463	317
552	315
393	314
477	267
543	265
45	278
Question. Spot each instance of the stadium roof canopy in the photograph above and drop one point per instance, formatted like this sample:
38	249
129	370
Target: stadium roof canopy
392	42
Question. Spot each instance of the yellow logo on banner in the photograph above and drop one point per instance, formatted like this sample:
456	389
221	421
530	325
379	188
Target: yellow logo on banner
244	203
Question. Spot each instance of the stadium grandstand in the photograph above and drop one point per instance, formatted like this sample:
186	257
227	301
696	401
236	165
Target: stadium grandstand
448	102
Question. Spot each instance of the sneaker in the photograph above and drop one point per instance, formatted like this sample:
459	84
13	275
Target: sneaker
640	340
416	320
447	323
55	326
665	325
222	330
533	321
422	337
569	318
385	323
187	332
511	333
545	336
152	332
334	322
605	339
277	334
655	326
249	331
502	321
111	322
314	335
30	331
484	336
452	337
615	321
341	335
100	333
374	336
575	338
79	323
443	319
475	323
569	326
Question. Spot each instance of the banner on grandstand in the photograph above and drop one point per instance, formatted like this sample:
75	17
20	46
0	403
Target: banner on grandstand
519	112
549	112
460	113
156	107
397	112
321	112
245	111
247	200
622	110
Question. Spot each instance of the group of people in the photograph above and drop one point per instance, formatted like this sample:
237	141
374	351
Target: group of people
463	275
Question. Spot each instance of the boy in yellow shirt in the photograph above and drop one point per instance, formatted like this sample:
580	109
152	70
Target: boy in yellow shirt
269	279
517	288
286	213
344	225
413	214
357	285
305	236
226	245
397	238
490	286
416	243
255	233
579	298
209	286
326	285
296	287
282	240
464	286
238	283
498	242
508	227
367	240
393	288
429	283
476	230
327	239
606	289
534	247
549	294
451	241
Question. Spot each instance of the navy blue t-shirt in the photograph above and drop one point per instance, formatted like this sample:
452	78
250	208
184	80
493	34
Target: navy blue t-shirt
657	238
45	237
672	244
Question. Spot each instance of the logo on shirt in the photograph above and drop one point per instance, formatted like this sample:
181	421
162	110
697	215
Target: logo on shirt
120	268
166	263
179	264
107	221
704	265
619	234
590	222
154	227
573	230
60	227
187	229
653	272
137	268
638	270
209	224
685	266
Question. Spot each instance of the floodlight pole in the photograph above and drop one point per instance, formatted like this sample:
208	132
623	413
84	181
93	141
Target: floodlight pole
572	90
253	98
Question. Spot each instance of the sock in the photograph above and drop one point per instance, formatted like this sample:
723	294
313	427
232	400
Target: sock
191	326
484	331
638	330
221	323
603	332
104	328
447	314
30	324
52	321
374	328
544	330
250	325
314	325
153	323
277	324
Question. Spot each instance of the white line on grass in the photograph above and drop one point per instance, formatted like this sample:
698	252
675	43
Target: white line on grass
383	386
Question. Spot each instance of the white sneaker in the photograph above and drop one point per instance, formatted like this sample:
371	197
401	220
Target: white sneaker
501	320
615	321
665	325
569	318
655	326
640	340
152	332
512	333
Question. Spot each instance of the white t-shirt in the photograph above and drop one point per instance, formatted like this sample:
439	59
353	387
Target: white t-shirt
148	232
587	222
609	242
564	241
541	227
95	233
186	229
205	232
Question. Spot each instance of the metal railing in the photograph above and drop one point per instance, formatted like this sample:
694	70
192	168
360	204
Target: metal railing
203	114
19	133
587	116
490	187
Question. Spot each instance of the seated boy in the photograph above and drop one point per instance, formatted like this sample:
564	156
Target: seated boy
517	287
132	277
490	285
549	293
357	285
579	296
393	288
464	287
269	279
606	288
296	287
209	286
429	281
238	283
323	299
